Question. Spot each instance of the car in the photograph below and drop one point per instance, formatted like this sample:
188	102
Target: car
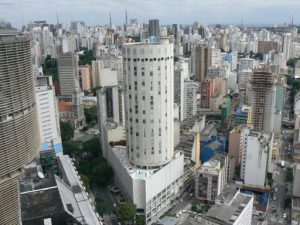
284	215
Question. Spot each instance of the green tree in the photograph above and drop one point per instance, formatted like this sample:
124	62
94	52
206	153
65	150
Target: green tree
92	147
95	89
86	58
102	173
90	114
72	148
102	207
127	213
287	201
86	182
289	175
50	68
140	220
67	131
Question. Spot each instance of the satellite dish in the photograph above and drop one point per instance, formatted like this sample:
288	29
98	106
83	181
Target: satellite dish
41	175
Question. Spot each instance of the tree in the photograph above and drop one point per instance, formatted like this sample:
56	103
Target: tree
86	182
287	201
140	220
90	114
86	58
67	131
127	213
95	89
289	175
102	207
50	68
92	148
102	173
72	148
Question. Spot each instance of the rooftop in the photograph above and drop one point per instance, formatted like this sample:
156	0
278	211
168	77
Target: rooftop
229	213
65	106
120	152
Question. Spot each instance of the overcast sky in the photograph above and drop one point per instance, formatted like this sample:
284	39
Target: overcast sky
167	11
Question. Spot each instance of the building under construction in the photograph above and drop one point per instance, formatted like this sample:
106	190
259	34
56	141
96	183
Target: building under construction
263	99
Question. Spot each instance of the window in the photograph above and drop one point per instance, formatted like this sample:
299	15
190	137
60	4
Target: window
151	73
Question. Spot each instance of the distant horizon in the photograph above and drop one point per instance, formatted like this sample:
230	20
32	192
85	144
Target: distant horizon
95	12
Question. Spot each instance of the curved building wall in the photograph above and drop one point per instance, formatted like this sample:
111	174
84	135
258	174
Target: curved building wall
19	133
148	93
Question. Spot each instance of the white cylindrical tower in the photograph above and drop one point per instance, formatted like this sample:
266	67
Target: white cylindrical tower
149	97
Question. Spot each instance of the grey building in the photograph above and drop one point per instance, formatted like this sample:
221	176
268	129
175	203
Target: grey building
19	132
68	74
153	28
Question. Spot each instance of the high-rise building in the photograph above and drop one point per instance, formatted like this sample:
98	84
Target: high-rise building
201	60
68	74
146	164
257	159
85	78
96	68
19	131
263	99
48	114
189	106
149	101
286	45
153	28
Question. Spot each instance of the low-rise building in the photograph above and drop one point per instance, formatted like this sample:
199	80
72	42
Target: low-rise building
234	211
211	178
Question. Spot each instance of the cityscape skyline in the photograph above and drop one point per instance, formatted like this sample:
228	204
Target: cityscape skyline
96	12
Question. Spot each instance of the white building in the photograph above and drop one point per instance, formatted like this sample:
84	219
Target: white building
244	76
257	158
151	190
216	58
286	45
246	63
189	106
47	114
148	94
147	170
236	210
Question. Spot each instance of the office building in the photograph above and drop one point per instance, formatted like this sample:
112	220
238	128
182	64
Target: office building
257	159
96	68
19	129
201	61
85	78
246	63
148	166
189	107
267	46
68	74
149	103
286	45
48	116
153	28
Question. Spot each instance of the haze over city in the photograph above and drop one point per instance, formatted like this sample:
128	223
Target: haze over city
95	12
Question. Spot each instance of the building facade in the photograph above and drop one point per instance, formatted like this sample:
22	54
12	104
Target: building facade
148	93
19	131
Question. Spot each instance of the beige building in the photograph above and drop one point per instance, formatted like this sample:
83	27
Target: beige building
85	77
19	129
236	144
96	68
201	61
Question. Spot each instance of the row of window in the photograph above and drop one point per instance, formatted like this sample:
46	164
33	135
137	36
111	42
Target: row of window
146	59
